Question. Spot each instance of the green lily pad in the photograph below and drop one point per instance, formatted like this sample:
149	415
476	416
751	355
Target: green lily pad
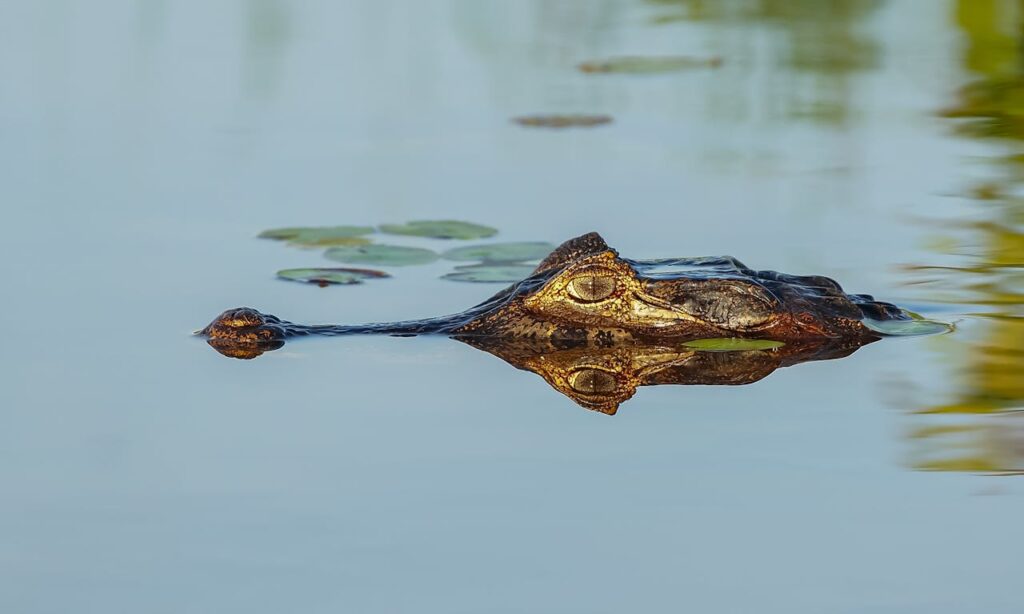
649	65
440	229
326	276
500	252
382	255
490	273
908	328
320	236
562	121
728	344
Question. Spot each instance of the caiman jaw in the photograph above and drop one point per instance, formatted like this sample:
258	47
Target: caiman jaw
657	313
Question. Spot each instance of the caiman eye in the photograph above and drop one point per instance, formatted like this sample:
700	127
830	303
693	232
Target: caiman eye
593	381
591	288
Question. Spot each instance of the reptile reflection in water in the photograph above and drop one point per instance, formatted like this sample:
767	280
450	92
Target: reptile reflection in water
601	378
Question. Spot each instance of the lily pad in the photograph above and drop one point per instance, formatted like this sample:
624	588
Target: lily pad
382	255
326	276
908	328
500	252
562	121
649	65
320	236
440	229
728	344
490	273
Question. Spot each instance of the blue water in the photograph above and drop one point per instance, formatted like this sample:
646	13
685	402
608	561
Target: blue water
145	144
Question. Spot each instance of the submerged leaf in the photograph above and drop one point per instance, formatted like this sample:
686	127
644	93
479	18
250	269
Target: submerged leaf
907	328
440	229
382	255
326	276
501	252
490	273
732	344
562	121
320	236
649	65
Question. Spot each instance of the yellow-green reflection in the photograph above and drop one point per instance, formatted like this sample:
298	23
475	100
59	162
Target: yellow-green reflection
981	426
823	45
268	32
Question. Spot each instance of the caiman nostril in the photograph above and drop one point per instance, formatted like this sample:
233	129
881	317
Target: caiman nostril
241	324
244	333
240	318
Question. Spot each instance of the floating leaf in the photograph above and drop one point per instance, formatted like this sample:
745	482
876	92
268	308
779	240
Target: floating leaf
907	328
382	255
500	252
280	233
320	236
309	241
440	229
648	65
326	276
562	121
490	273
729	344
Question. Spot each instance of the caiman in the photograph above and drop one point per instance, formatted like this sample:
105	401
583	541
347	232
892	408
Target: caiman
584	293
596	325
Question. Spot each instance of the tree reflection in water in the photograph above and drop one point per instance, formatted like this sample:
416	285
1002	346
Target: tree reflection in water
981	426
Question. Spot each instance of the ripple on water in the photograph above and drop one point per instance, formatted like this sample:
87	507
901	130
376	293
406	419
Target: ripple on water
908	328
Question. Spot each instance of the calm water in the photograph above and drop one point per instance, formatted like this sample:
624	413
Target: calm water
145	144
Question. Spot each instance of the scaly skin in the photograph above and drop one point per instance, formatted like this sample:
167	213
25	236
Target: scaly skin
583	295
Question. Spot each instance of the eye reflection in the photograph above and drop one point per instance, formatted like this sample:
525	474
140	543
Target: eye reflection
591	288
593	381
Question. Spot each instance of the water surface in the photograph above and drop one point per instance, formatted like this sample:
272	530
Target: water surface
145	144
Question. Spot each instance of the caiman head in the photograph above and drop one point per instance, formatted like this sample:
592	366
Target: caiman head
585	293
597	326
